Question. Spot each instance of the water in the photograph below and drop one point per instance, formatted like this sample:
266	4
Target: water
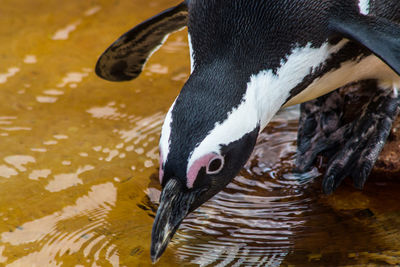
78	161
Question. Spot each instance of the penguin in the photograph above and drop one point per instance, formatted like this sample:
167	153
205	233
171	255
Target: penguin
249	59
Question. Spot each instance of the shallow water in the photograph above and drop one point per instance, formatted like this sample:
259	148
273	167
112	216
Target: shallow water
78	161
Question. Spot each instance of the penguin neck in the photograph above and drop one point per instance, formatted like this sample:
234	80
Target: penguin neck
255	93
209	107
271	88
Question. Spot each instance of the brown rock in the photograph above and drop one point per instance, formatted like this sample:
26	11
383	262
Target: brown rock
388	163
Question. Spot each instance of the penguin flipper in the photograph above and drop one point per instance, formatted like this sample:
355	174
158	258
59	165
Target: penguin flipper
125	58
379	35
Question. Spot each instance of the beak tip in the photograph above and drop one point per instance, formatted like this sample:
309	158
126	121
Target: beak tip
154	259
155	255
174	206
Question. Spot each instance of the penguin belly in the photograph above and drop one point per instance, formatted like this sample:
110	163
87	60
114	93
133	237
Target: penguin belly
370	67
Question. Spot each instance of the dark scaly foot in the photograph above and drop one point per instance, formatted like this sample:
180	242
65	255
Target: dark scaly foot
369	132
319	119
361	131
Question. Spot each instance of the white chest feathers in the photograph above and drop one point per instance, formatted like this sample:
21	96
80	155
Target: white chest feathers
370	67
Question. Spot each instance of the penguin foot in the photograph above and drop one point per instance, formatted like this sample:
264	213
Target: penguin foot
319	120
351	146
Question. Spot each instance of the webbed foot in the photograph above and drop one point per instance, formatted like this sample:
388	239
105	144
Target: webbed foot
349	127
319	120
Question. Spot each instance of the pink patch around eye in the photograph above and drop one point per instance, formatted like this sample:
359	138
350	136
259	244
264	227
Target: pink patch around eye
161	169
196	166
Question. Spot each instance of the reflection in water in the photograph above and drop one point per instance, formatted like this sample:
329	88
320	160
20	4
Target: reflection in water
93	10
88	213
16	128
18	161
38	149
63	34
6	120
72	78
2	259
252	222
36	174
50	142
72	171
46	99
30	59
53	92
10	72
65	180
60	136
158	69
176	45
106	112
7	172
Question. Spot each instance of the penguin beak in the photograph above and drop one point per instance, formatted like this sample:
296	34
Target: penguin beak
175	203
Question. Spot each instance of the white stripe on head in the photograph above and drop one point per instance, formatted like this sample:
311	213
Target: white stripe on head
191	54
240	121
266	93
364	6
165	140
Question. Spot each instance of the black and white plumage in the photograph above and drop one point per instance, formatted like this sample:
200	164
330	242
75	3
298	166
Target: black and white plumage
249	59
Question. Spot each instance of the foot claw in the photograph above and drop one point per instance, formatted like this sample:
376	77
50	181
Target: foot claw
328	185
361	176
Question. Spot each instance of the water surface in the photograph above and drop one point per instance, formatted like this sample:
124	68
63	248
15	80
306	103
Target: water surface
79	161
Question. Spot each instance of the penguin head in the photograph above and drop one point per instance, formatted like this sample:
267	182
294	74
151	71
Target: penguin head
207	137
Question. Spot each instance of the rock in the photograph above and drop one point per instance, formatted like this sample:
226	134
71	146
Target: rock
388	163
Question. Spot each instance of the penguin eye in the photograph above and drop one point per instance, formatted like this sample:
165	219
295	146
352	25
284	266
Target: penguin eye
212	162
215	165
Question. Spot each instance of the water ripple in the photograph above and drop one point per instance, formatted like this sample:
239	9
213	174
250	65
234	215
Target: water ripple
55	239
